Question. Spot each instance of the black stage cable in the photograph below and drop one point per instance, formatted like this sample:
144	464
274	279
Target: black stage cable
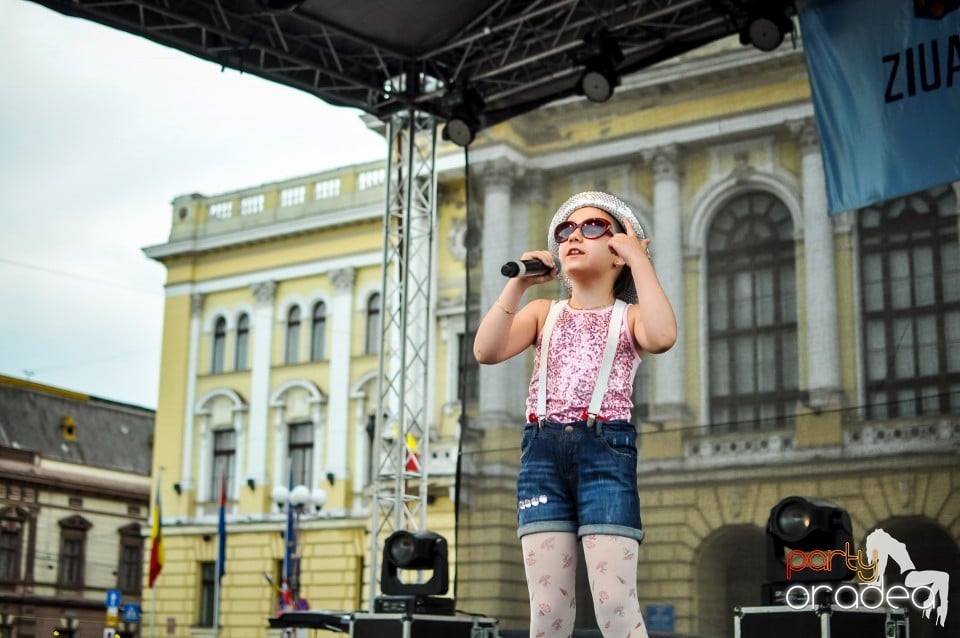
462	381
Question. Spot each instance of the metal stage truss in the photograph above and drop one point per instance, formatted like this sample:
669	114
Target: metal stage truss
514	55
400	479
413	65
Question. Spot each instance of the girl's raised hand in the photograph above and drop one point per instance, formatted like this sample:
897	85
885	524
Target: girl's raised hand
628	247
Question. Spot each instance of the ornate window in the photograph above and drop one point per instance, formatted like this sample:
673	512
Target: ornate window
130	561
224	457
910	274
318	332
73	549
292	352
219	345
12	523
300	452
241	356
372	345
752	323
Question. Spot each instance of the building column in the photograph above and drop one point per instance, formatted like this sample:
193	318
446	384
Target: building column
666	248
265	294
361	454
193	356
823	363
497	382
337	434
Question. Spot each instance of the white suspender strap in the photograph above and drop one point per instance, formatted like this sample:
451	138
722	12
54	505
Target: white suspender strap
548	325
606	366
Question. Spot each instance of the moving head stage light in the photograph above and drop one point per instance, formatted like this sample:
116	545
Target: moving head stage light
805	538
414	552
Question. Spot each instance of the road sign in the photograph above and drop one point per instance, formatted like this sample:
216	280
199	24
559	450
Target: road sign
131	612
109	632
660	617
113	598
111	619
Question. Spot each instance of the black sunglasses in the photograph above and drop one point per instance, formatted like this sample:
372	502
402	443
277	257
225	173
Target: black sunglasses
593	228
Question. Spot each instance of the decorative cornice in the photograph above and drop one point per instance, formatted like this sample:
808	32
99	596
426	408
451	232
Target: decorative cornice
262	233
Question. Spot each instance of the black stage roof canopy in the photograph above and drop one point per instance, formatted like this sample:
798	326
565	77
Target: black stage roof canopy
498	58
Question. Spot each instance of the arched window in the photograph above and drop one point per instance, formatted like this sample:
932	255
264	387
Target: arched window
224	460
241	358
752	315
910	274
219	345
300	452
292	352
372	345
318	333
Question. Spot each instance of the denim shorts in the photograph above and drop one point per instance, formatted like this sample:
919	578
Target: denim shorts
579	478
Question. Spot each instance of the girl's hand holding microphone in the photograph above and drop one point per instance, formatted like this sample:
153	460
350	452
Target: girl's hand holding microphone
534	267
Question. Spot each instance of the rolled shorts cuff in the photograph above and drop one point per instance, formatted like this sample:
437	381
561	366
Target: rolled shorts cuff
546	526
611	530
584	530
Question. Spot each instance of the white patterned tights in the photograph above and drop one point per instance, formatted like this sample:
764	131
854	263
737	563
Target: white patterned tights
550	562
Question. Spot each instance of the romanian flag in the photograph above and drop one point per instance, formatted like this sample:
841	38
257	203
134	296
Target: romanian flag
156	541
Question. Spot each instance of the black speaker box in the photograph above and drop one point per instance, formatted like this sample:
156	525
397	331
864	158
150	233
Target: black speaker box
781	621
421	626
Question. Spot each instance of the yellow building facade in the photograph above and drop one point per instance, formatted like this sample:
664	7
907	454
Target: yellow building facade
818	355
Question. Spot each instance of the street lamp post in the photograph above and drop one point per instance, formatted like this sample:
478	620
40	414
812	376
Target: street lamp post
296	502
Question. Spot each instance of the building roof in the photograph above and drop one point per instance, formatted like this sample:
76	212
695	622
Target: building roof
75	428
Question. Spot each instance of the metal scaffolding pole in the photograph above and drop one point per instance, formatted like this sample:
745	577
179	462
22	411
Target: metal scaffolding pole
400	480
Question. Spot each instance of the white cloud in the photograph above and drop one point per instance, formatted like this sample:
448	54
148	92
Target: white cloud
99	131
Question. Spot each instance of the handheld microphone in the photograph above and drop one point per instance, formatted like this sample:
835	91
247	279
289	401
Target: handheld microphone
524	268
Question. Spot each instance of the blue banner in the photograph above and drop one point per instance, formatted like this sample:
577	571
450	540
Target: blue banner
885	77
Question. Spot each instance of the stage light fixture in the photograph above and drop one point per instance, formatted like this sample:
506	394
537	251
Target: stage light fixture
463	107
599	55
765	28
460	131
804	531
414	551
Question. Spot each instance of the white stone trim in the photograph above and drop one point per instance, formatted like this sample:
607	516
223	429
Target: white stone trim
282	273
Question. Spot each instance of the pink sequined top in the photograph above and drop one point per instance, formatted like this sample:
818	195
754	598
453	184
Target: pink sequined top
573	363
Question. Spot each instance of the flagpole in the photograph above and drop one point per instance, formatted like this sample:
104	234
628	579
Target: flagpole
218	566
216	608
153	613
153	595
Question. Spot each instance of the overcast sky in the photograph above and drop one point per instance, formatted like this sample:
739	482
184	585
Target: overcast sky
99	131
